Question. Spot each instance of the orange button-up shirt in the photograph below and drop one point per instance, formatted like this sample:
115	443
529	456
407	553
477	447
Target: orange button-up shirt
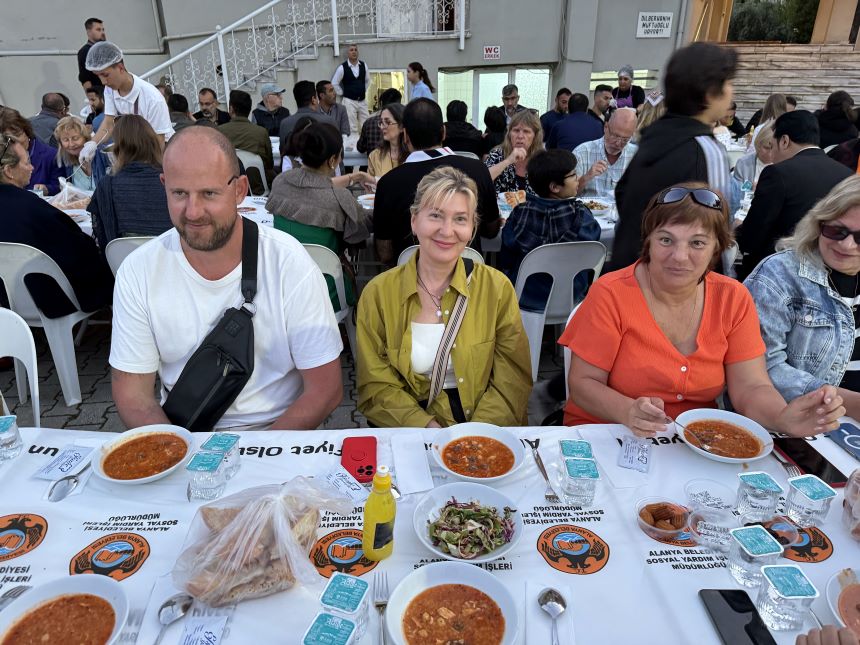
615	331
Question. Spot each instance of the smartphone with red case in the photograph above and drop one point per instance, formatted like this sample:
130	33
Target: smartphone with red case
358	457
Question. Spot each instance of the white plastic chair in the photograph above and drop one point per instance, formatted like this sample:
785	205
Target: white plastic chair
730	255
829	148
251	160
562	261
120	248
16	340
466	153
468	252
330	265
19	260
568	357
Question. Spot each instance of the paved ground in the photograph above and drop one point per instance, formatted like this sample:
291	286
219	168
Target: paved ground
97	411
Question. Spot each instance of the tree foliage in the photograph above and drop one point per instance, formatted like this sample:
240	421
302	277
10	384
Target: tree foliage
788	21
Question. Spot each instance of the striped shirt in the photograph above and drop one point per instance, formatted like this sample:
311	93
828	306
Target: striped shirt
603	186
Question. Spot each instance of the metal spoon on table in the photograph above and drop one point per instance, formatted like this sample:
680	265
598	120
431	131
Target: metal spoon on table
172	610
553	603
62	488
704	446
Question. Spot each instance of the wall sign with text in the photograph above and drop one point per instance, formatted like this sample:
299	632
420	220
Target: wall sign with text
654	24
492	52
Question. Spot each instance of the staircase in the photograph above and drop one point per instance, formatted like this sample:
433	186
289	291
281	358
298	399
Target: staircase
281	33
807	72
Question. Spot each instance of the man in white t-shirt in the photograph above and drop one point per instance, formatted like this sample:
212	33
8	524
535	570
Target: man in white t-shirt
125	93
172	291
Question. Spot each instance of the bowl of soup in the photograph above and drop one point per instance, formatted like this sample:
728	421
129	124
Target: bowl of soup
449	602
723	436
843	596
477	452
143	455
92	608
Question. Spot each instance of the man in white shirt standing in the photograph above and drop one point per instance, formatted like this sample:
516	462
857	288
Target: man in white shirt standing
172	291
125	93
351	80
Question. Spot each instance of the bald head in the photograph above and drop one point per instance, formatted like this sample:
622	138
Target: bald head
54	102
201	142
618	130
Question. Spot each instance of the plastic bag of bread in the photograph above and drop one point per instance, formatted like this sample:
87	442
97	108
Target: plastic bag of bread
851	505
70	197
256	542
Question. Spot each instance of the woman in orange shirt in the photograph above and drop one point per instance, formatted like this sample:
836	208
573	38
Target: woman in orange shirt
668	335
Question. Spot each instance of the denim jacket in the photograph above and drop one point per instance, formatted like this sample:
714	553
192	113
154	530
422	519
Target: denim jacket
808	330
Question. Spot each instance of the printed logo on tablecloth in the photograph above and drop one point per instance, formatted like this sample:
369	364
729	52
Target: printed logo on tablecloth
20	533
118	556
812	546
573	549
340	551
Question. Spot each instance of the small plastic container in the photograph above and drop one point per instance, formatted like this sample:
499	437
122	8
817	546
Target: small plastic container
347	596
328	629
677	515
758	492
710	527
808	500
575	449
10	439
207	475
750	548
783	529
784	597
579	481
227	444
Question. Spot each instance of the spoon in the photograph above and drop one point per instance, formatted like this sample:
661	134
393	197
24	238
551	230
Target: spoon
172	610
553	603
62	488
704	446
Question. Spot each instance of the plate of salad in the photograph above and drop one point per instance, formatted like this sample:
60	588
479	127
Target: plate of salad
467	521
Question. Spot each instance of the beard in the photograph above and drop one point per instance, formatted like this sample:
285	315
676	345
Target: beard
200	241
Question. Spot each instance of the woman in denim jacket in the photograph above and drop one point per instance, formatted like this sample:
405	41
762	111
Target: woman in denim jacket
804	294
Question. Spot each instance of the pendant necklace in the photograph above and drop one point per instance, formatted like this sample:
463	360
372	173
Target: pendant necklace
437	302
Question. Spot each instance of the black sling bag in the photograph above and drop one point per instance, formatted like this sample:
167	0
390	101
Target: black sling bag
220	367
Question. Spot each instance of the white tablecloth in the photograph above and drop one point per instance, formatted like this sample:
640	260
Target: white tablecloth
653	586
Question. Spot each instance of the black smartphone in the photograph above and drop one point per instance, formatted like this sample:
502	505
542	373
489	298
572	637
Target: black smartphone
809	460
735	617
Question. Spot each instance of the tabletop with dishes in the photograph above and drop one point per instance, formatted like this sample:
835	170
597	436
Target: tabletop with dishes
473	533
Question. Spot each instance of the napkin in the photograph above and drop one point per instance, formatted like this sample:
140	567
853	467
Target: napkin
83	479
539	624
605	446
410	463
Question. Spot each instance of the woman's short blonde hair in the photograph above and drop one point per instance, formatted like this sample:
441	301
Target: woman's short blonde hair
531	121
442	184
69	124
763	134
804	241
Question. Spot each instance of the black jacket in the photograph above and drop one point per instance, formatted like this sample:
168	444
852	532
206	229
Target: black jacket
736	128
835	128
668	154
28	219
848	154
460	135
783	195
270	120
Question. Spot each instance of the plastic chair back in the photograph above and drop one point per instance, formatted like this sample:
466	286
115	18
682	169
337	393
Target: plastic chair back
19	260
329	263
16	340
468	252
568	357
730	255
251	160
120	248
466	153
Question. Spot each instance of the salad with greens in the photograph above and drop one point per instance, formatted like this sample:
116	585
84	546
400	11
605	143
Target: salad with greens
468	530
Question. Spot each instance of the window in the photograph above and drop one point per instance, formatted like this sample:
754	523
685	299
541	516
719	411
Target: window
381	80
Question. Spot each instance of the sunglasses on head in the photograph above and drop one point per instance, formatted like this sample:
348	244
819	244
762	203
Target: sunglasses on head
837	232
701	196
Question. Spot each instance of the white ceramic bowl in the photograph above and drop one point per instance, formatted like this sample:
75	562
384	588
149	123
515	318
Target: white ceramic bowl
832	592
108	446
447	435
97	585
430	507
442	573
703	414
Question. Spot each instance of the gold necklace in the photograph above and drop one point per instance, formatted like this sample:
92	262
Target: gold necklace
436	300
692	309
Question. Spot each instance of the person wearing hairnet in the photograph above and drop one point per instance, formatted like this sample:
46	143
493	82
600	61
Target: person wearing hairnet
125	93
627	94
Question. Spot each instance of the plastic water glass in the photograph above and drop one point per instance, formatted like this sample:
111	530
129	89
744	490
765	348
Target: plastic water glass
346	596
758	492
327	628
808	500
579	480
750	548
710	527
10	439
784	597
228	445
207	475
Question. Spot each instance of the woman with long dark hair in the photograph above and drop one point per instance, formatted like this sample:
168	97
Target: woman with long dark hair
392	151
420	81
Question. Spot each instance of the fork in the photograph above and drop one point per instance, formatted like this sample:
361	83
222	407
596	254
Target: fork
790	469
11	594
380	600
549	495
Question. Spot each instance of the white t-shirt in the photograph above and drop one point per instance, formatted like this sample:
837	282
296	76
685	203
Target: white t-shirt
150	105
163	309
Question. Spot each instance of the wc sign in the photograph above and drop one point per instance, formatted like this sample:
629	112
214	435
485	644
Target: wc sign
492	52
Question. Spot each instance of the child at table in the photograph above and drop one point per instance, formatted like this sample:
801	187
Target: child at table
553	215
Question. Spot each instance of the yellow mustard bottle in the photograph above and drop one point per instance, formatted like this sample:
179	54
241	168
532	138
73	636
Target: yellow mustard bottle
377	539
